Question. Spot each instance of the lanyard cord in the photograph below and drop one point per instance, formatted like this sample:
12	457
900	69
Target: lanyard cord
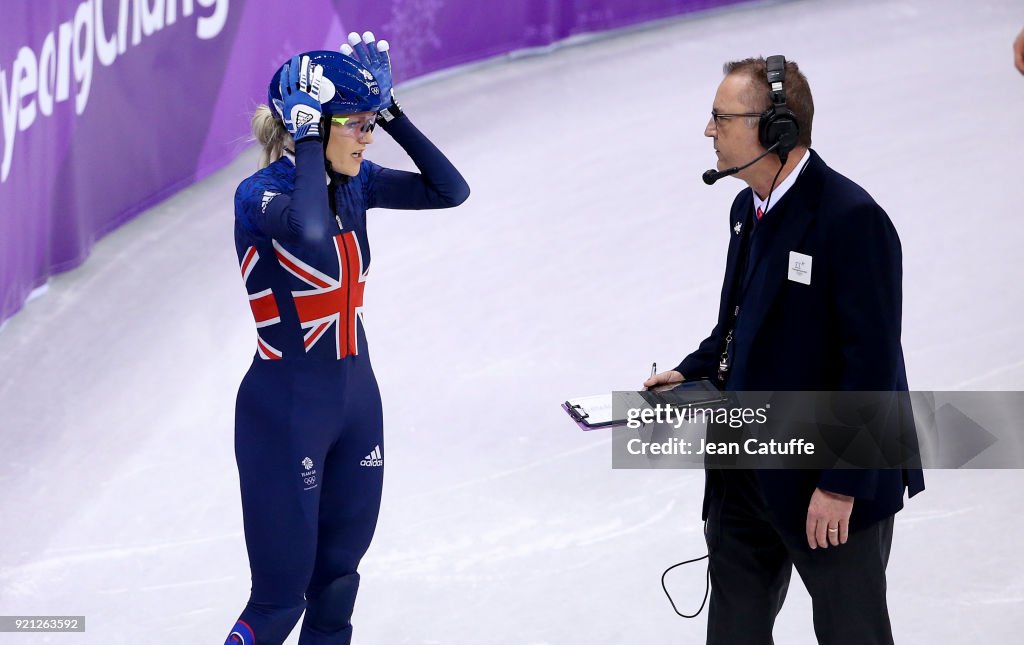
740	282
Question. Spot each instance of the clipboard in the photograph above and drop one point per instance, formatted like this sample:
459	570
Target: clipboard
594	412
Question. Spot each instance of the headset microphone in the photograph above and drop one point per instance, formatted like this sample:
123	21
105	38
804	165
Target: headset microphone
712	175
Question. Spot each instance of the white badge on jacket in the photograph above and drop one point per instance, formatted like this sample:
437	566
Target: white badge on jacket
800	267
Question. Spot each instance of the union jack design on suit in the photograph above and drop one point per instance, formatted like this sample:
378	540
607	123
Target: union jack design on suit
263	305
330	301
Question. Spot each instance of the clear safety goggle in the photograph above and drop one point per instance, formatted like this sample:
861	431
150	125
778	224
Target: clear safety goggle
356	126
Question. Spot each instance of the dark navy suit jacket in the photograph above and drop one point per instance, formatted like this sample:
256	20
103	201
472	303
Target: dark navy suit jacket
840	332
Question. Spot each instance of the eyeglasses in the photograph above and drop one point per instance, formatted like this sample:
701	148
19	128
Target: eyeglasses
355	127
721	117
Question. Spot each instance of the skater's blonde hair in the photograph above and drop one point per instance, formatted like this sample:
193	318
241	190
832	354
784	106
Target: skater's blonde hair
271	134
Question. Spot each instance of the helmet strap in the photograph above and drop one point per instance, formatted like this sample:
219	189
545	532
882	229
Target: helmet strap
325	132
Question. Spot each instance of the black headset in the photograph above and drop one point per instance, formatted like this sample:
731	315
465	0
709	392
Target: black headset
778	123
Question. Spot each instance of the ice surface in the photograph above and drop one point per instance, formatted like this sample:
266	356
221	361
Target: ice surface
589	248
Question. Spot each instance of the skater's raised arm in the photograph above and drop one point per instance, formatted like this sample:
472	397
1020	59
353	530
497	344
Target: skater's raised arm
305	212
438	184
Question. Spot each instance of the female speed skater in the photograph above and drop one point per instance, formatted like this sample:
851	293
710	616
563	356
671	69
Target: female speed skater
308	429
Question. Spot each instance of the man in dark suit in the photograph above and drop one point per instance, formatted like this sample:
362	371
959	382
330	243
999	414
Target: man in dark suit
811	301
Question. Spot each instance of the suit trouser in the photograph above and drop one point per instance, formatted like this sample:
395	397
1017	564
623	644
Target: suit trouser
751	559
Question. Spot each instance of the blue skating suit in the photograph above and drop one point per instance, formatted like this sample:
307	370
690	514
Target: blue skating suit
308	429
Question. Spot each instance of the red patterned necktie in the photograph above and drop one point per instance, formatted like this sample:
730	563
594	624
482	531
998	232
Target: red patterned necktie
759	213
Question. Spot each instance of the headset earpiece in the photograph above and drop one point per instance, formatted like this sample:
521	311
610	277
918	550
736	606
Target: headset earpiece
778	124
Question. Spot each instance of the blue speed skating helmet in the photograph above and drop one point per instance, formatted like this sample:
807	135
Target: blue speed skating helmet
347	86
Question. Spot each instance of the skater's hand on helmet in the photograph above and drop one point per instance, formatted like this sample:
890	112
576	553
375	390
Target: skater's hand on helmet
300	94
374	56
